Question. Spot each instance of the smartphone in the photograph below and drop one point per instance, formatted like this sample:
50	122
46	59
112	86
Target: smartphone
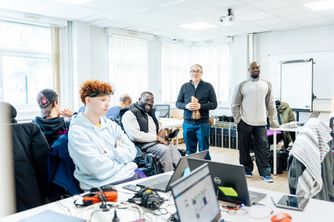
291	202
132	187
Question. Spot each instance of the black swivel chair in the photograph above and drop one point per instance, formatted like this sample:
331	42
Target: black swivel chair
30	152
163	109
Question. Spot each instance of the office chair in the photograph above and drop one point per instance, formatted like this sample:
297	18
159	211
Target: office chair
163	109
30	153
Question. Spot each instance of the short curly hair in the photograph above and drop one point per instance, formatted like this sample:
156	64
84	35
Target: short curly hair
94	88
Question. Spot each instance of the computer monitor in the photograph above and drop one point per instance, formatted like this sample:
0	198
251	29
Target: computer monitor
195	198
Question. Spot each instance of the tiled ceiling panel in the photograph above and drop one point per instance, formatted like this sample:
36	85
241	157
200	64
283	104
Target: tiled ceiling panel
164	17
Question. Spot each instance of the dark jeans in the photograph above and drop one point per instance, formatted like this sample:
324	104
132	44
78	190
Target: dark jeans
196	132
254	137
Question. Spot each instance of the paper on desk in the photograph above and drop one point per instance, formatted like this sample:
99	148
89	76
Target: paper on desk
228	191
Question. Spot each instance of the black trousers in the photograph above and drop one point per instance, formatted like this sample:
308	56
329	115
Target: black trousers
254	137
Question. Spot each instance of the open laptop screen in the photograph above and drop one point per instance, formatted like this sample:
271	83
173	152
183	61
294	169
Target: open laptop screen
229	181
195	198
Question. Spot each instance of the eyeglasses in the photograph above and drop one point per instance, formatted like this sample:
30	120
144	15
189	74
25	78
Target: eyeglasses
195	71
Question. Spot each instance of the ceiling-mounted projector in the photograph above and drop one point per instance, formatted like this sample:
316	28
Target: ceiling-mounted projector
227	19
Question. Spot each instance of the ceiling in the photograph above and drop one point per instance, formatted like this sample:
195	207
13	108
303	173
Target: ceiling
163	17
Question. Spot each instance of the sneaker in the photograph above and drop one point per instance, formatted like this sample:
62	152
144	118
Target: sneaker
267	179
249	174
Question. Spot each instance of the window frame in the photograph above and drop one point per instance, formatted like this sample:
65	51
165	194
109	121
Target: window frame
25	111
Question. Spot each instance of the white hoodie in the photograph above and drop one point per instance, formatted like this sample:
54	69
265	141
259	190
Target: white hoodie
102	155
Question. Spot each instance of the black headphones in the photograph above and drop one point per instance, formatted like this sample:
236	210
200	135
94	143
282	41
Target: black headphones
148	198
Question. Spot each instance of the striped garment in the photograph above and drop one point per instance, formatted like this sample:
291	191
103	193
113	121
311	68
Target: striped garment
310	148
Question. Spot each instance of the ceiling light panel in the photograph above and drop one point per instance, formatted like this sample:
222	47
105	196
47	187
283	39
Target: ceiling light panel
75	2
322	5
198	26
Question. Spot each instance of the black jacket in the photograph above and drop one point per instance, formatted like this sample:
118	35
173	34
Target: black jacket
205	94
142	119
30	150
52	128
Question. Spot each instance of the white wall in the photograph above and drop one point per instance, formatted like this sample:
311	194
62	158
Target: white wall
154	69
90	61
99	53
90	56
292	42
238	71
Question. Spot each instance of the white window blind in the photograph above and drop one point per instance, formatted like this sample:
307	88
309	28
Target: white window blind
176	62
128	66
25	63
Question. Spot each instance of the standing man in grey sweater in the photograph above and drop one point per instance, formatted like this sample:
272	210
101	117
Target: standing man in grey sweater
252	104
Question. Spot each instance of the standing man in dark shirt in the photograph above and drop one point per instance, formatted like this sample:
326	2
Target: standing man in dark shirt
196	98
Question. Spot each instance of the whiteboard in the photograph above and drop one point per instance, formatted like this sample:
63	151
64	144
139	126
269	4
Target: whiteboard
297	84
323	72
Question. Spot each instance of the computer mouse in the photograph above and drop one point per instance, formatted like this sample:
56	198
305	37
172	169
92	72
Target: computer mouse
281	217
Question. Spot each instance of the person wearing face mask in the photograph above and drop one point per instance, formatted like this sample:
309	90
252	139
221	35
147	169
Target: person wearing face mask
142	127
252	103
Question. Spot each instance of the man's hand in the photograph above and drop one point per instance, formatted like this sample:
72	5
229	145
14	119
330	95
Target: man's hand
66	113
193	106
163	133
162	140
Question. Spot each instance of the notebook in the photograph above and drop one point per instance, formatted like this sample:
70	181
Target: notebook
195	197
229	181
162	182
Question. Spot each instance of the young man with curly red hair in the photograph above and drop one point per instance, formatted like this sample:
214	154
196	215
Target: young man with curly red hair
101	151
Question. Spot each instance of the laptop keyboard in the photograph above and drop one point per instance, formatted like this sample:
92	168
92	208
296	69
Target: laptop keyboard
255	197
162	184
252	197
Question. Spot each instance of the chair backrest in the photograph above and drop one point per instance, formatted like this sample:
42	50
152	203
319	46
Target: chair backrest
163	109
30	152
331	123
61	169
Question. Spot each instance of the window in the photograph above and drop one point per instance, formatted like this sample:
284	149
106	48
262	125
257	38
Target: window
128	66
176	62
25	63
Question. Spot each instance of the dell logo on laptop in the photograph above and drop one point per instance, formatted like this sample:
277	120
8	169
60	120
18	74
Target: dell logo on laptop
217	180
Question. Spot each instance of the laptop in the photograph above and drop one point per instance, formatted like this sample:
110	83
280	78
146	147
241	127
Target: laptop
195	198
162	182
229	181
314	114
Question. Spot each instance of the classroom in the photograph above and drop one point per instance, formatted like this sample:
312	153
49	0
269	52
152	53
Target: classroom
144	50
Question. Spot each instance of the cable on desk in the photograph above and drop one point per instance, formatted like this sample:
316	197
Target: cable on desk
86	209
92	214
247	211
63	206
127	205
